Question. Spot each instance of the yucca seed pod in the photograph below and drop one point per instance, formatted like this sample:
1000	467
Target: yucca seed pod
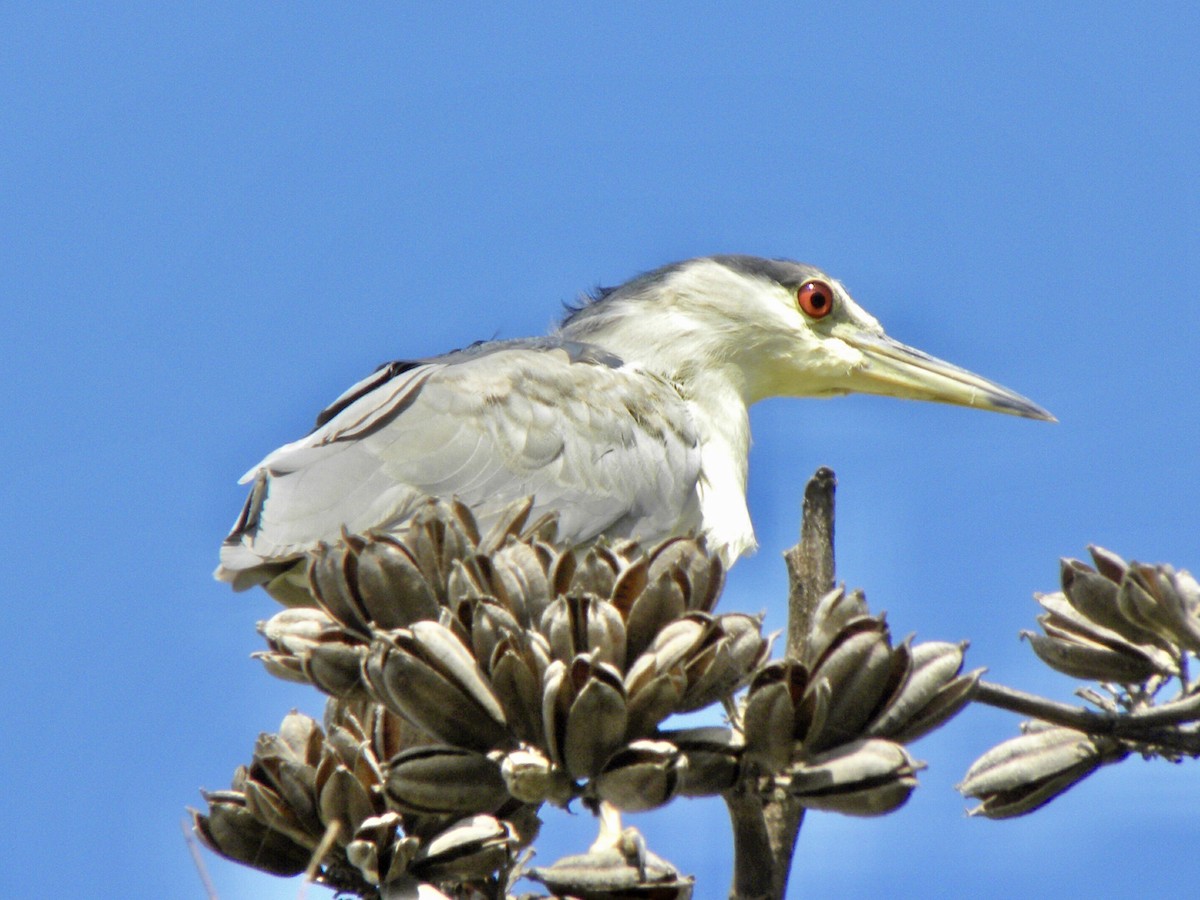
774	718
1165	601
714	759
855	666
584	714
230	830
611	874
930	694
1027	772
864	778
426	675
381	852
1153	607
517	671
438	779
835	611
471	849
641	775
532	778
1083	648
578	624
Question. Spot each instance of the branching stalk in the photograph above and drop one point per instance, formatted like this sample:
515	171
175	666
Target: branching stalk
1150	726
765	832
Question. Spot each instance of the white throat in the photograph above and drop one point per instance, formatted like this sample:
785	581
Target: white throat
723	421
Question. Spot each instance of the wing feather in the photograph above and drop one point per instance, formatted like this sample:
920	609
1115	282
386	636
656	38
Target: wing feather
610	448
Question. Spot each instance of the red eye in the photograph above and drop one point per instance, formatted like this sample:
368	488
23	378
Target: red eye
815	299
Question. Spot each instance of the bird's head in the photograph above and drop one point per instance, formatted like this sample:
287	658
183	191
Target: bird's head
775	328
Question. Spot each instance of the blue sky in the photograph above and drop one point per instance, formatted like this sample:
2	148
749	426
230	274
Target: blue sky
218	216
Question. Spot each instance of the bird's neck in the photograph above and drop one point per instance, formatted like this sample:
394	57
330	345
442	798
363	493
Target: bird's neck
720	414
703	367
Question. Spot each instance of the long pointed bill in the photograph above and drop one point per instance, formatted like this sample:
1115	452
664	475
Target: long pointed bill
896	370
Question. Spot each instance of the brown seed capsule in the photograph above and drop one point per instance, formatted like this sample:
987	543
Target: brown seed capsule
470	849
439	778
233	832
584	714
611	874
864	778
1027	772
641	775
426	675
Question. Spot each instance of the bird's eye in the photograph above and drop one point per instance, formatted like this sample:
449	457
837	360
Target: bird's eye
815	299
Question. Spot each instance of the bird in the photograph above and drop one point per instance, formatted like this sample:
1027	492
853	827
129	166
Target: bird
629	420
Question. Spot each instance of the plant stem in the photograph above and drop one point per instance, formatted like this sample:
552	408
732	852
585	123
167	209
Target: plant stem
1157	726
765	828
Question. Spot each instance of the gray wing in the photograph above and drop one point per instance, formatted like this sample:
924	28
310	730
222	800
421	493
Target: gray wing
611	448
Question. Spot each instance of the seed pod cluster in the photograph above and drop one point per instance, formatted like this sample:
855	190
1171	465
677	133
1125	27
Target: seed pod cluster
1129	626
833	721
540	669
1122	623
473	677
323	792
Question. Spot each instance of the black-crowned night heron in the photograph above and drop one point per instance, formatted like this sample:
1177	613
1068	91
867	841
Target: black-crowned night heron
630	420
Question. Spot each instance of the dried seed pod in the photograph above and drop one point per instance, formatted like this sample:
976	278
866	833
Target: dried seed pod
714	759
380	852
584	714
641	775
596	574
1027	772
1164	601
732	650
436	538
532	778
1075	655
521	576
303	785
931	693
578	624
855	665
491	624
1084	648
307	646
517	672
232	831
442	779
392	591
1153	607
773	718
329	584
653	695
648	605
426	675
468	850
863	778
834	612
509	522
612	873
716	654
336	669
342	798
699	572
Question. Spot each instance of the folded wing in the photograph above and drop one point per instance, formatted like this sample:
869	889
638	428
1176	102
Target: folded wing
612	449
